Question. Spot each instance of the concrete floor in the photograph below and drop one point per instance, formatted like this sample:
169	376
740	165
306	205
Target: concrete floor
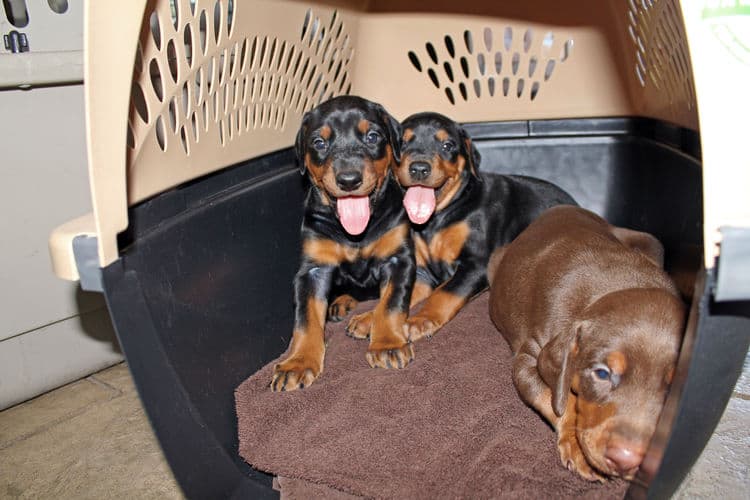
91	440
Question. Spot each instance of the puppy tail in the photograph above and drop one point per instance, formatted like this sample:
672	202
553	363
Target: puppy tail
494	261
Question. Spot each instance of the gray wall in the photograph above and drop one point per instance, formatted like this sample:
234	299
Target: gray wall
50	331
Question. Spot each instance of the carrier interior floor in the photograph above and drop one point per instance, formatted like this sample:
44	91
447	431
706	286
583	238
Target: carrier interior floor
91	439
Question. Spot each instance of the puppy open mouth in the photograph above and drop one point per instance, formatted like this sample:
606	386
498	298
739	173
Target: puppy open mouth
354	213
419	202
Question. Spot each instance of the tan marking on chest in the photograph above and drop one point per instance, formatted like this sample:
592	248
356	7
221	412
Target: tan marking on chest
422	251
446	245
388	244
328	252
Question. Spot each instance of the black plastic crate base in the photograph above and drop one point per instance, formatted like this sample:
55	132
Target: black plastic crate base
202	294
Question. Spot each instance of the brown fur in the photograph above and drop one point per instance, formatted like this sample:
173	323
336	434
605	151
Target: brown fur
574	296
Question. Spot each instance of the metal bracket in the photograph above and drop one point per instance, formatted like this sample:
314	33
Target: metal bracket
733	278
87	261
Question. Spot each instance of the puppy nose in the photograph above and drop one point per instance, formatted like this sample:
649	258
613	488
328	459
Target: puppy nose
349	181
419	170
625	456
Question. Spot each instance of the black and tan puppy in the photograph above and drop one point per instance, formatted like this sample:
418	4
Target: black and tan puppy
595	325
355	235
460	216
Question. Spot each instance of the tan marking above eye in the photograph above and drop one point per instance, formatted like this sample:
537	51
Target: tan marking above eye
617	362
442	135
363	126
325	132
408	135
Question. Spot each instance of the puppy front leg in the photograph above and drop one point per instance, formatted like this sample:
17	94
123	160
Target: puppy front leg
445	302
535	392
304	363
568	445
389	347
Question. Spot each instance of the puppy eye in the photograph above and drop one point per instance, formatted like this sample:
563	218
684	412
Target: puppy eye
372	137
601	372
319	144
448	146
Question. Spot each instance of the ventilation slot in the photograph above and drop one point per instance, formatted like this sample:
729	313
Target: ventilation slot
202	80
661	57
517	61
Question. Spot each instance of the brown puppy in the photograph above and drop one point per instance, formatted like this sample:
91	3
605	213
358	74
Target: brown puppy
595	326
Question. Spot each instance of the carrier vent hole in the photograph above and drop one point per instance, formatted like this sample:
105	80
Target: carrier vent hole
477	88
448	70
519	89
548	69
449	94
175	14
155	29
161	138
498	62
58	6
433	77
415	61
566	50
534	90
547	42
480	63
156	80
462	89
130	138
431	52
172	114
468	41
514	63
217	21
527	39
184	141
202	26
172	60
532	66
139	101
508	38
488	39
465	67
491	86
188	42
449	46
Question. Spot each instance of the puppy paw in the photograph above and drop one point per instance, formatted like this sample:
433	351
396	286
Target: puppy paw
390	356
573	459
340	307
360	325
418	327
294	373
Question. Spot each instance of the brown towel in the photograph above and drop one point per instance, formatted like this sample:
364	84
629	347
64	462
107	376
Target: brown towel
450	425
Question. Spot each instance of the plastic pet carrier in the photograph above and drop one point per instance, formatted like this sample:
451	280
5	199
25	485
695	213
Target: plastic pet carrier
630	105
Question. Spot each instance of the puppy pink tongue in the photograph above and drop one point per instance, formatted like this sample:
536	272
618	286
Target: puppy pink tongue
354	213
419	202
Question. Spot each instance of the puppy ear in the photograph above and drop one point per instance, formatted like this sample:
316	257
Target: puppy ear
299	144
393	131
471	152
556	364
